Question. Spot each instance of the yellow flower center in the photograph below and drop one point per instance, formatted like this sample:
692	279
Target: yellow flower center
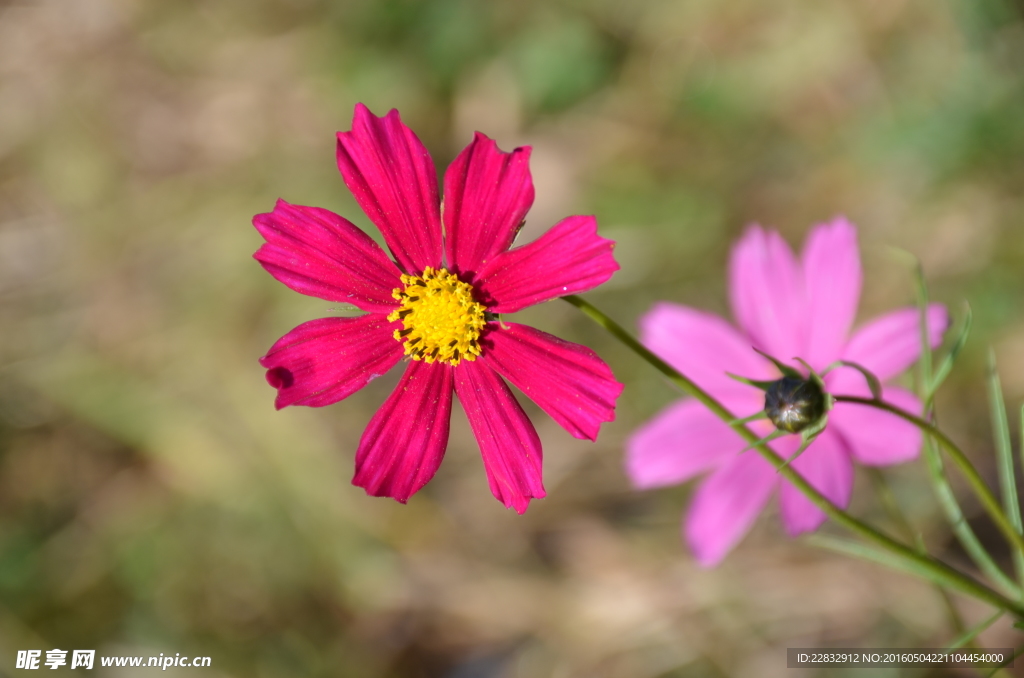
440	319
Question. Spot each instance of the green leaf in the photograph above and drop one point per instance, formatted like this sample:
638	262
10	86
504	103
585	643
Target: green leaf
814	376
774	435
873	383
756	416
947	363
787	370
763	385
807	436
973	632
858	550
1004	457
924	361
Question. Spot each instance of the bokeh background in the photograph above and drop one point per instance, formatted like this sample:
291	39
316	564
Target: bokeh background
152	500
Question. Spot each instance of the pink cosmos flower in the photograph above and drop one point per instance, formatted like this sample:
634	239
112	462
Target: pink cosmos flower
436	305
786	308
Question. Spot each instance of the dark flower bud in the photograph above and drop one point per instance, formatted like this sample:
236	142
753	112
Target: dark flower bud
794	404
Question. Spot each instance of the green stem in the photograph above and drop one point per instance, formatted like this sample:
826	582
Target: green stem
969	636
958	522
1004	458
933	460
936	569
974	479
896	515
1016	653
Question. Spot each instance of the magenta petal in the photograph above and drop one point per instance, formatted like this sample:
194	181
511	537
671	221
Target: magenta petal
569	258
877	438
704	347
393	179
827	466
317	252
486	196
726	505
508	442
404	443
566	380
832	276
322	361
766	287
684	440
890	344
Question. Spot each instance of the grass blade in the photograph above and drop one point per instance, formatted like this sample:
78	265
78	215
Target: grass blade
1004	457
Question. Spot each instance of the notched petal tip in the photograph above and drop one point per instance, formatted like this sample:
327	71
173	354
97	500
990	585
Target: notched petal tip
519	504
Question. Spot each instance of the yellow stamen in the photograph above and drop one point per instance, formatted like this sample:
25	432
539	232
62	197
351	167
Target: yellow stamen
441	321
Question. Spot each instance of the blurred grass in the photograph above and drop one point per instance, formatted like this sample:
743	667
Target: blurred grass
152	501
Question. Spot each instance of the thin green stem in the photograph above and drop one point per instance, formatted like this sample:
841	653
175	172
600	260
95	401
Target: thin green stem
958	522
902	523
891	506
935	569
974	479
1004	458
974	631
933	460
1016	653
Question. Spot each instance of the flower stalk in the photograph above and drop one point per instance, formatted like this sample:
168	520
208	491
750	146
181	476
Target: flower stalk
894	553
974	479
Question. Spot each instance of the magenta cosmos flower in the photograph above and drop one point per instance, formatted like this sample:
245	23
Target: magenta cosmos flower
786	308
436	305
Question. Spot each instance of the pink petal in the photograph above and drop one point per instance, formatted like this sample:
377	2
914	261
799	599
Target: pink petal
726	505
704	347
405	441
877	438
832	277
508	442
566	380
393	179
684	440
569	258
322	361
317	252
826	464
486	196
891	343
766	287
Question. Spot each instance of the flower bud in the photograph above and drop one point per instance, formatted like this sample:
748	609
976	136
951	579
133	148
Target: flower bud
794	404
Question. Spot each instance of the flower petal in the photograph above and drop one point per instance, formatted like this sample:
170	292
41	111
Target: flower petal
404	442
832	278
890	344
322	361
486	196
704	347
393	179
827	466
766	288
566	380
508	442
684	440
569	258
317	252
726	505
877	438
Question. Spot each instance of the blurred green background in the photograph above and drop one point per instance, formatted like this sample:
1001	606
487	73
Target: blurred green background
152	500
